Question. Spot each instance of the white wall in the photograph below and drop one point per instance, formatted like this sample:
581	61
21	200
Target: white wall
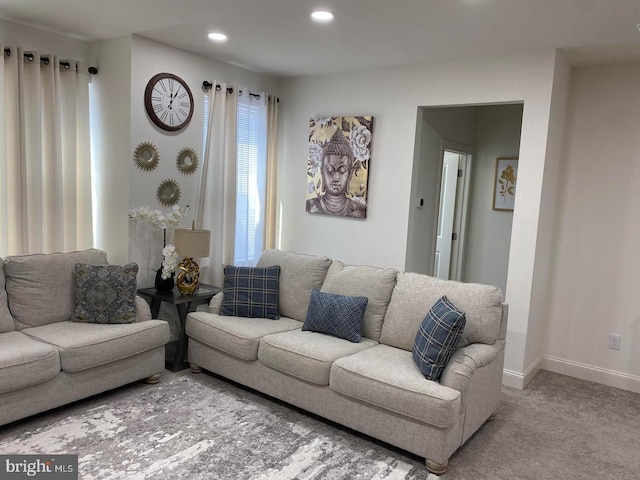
14	34
149	58
548	218
595	285
110	138
489	231
392	95
454	124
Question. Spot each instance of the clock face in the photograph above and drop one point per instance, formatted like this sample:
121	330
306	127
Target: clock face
168	101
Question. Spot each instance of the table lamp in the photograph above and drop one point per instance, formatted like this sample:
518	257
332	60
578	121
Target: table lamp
190	243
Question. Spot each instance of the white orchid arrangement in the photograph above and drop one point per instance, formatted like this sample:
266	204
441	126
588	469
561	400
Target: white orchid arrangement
170	261
163	220
158	218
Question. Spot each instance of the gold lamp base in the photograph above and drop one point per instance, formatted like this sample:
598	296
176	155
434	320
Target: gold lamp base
187	279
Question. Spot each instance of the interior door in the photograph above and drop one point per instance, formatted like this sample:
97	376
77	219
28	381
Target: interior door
442	261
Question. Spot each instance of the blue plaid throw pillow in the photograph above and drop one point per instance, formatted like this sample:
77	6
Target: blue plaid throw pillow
251	292
437	338
336	315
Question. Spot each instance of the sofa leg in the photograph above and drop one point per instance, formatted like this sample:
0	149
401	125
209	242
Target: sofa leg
435	467
153	379
195	368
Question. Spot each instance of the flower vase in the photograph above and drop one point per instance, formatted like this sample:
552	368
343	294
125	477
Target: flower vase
164	285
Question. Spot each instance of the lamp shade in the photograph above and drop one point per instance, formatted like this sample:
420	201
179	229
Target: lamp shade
192	243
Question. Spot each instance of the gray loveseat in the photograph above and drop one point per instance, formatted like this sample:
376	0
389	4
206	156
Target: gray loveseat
45	359
372	386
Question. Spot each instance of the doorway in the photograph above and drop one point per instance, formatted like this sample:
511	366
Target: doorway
452	213
481	133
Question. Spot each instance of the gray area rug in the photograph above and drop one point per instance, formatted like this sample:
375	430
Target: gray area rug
200	427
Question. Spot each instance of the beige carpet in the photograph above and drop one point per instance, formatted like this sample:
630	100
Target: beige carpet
558	428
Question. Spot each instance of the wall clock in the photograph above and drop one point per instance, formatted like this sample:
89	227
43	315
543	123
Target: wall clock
168	101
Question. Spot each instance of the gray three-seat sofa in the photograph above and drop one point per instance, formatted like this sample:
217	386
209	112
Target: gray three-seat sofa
372	386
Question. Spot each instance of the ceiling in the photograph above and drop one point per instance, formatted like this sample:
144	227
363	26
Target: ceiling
277	37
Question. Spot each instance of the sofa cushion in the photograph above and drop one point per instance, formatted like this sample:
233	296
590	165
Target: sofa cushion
41	287
106	293
299	274
144	310
307	355
360	280
236	336
251	292
6	320
414	295
215	305
87	345
388	378
437	338
337	315
25	362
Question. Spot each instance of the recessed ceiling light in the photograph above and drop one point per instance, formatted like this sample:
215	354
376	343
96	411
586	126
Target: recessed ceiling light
218	37
323	16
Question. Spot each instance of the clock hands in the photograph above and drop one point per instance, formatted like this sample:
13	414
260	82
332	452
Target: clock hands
173	96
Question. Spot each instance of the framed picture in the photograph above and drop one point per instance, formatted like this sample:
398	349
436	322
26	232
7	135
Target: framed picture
504	186
338	165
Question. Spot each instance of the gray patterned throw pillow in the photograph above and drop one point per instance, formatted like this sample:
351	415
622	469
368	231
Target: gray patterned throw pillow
338	315
105	293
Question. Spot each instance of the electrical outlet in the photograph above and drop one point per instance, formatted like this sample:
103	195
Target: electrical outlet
614	341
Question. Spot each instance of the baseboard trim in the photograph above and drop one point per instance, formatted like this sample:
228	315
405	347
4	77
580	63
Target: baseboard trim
591	373
518	380
532	371
612	378
512	379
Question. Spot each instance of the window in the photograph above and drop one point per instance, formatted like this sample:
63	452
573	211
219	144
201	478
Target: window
205	124
251	176
251	173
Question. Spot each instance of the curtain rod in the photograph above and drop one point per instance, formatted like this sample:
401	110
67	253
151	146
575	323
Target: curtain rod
66	65
206	85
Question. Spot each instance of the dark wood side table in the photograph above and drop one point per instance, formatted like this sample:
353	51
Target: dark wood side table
184	304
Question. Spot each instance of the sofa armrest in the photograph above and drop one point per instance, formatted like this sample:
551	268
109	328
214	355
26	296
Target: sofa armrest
144	311
464	362
215	305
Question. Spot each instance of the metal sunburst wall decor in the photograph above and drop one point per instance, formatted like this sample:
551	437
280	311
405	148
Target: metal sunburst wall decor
168	193
187	161
146	156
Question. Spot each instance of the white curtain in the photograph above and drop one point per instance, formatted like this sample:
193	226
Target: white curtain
215	209
45	165
271	211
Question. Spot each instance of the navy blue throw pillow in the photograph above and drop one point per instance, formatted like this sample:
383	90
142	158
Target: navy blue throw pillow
337	315
437	338
251	292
